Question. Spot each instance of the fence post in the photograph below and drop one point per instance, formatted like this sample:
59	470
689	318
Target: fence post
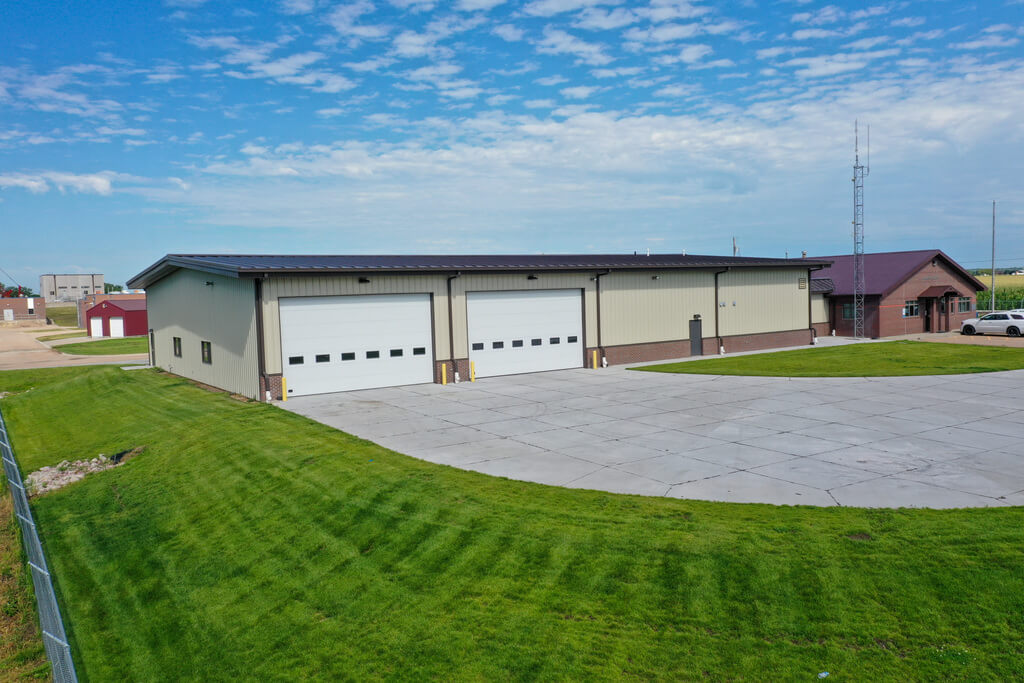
55	640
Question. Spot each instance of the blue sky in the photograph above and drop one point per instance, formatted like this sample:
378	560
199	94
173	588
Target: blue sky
130	130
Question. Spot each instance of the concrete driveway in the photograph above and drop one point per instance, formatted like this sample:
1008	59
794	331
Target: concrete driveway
937	441
19	350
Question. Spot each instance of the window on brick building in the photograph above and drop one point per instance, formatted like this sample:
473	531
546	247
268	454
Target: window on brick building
911	309
964	304
847	311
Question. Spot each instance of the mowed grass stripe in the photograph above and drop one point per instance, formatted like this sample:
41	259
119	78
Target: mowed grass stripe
247	542
877	359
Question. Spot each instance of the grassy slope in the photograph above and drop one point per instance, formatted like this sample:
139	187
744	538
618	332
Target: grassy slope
21	646
65	335
859	360
250	542
65	316
107	346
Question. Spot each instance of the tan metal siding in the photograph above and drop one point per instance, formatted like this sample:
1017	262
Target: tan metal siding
636	308
819	308
341	285
516	281
761	300
183	305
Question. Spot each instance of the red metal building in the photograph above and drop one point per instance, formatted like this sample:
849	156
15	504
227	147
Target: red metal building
117	319
907	292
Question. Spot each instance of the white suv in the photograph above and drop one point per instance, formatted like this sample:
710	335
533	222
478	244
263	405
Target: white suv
1005	322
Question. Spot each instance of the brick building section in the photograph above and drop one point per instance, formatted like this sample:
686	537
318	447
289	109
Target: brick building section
20	306
931	278
643	353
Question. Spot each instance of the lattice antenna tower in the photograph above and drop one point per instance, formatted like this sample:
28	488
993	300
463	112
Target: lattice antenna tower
859	173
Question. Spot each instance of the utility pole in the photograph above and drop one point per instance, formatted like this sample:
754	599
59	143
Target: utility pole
992	289
859	172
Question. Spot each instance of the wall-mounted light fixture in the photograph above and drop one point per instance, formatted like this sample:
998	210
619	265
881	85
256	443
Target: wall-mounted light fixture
531	277
655	277
364	280
209	283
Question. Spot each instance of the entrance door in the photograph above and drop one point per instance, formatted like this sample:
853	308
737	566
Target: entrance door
696	338
341	343
117	327
8	314
926	311
525	331
96	327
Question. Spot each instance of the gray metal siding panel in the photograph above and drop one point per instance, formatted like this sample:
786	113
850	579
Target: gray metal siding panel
637	309
762	300
224	314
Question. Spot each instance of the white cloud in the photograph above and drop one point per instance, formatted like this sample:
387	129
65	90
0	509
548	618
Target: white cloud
508	32
990	41
539	104
868	43
814	33
675	91
694	53
617	72
672	10
551	80
297	6
663	33
345	19
372	64
558	42
87	183
830	65
107	130
908	22
549	8
595	19
578	92
478	5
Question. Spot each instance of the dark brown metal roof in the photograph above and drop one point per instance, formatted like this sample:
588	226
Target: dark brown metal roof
236	265
822	285
884	271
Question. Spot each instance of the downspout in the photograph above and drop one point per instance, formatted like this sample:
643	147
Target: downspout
718	336
597	288
810	306
260	355
451	326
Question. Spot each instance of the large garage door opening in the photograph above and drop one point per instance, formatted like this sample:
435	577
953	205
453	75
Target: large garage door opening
342	343
529	331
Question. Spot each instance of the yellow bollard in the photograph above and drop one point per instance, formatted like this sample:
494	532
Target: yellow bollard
284	389
472	371
594	366
444	373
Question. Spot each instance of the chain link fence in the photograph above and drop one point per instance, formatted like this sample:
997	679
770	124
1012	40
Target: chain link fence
54	639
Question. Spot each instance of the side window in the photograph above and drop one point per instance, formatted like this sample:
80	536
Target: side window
177	347
348	355
478	346
207	351
516	343
373	354
323	358
293	360
497	345
535	342
419	351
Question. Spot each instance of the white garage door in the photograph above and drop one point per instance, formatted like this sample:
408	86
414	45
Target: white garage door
341	343
513	332
96	327
117	327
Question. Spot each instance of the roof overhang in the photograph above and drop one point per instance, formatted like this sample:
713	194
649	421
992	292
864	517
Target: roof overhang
936	291
239	266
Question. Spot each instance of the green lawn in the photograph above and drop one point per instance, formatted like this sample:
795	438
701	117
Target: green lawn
65	316
21	646
882	359
65	335
107	346
248	542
